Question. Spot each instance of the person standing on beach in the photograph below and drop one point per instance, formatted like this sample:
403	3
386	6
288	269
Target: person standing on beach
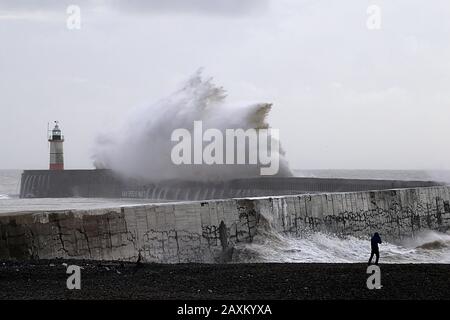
375	250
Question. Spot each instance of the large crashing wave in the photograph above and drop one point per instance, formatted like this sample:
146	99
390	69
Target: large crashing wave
270	246
141	148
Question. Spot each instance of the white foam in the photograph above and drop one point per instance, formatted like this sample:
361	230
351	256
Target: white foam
142	147
320	247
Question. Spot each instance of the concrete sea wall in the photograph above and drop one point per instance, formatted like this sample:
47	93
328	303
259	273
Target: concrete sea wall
207	231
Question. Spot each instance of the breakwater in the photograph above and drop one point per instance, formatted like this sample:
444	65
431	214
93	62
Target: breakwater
106	184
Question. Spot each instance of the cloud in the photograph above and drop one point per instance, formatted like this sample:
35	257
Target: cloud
219	7
193	6
37	6
39	10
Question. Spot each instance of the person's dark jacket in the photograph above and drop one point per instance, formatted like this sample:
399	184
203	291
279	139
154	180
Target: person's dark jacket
375	241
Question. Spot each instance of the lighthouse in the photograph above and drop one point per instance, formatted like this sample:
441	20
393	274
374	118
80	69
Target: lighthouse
56	140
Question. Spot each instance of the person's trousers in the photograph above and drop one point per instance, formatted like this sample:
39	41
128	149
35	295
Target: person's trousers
374	252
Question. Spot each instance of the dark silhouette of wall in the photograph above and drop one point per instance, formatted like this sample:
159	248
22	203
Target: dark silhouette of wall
106	184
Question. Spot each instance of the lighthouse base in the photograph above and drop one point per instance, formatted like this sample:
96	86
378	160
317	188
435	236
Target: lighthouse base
56	166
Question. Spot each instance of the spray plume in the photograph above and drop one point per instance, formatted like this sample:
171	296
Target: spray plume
141	148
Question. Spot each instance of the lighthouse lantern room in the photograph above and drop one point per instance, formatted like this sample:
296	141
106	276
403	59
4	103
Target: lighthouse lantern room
56	140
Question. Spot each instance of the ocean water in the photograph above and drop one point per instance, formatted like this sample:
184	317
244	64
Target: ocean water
408	175
9	183
425	247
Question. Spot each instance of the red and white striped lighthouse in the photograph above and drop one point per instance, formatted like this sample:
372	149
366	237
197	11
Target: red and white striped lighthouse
56	140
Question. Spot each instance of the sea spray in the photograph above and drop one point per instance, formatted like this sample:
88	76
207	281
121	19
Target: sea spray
141	148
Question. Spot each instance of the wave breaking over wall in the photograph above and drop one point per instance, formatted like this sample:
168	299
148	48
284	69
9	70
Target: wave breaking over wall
141	148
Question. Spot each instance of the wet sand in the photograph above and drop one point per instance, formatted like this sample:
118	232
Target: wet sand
46	279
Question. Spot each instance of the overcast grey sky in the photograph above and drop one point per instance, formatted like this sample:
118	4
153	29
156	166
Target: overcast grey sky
344	96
